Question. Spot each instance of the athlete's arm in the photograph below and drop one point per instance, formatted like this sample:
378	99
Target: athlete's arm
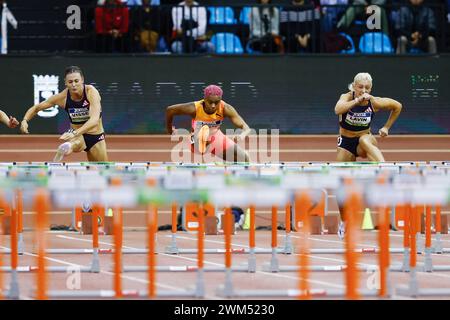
345	103
31	112
387	104
178	109
10	122
94	112
237	120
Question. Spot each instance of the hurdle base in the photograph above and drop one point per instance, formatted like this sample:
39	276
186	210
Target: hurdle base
172	250
243	268
14	291
359	250
295	293
252	261
82	294
20	245
331	268
91	251
279	250
55	269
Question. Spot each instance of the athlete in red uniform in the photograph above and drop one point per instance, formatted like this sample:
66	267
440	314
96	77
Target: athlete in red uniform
211	111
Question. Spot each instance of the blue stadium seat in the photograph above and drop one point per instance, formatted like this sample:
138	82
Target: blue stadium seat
221	15
375	42
227	43
415	51
352	49
244	16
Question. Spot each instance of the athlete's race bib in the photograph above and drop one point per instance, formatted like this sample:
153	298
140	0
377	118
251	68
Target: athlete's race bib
358	118
211	124
79	114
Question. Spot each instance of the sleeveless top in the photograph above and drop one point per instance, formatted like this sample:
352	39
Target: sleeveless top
357	118
213	121
78	111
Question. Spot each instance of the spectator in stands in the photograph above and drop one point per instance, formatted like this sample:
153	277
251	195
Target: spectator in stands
111	25
416	27
141	2
265	28
448	11
358	11
189	28
300	26
331	11
146	22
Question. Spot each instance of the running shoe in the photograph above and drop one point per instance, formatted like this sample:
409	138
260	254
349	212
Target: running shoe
341	230
61	152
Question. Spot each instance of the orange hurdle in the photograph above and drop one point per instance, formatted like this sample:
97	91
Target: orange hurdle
406	237
41	208
251	241
428	266
200	288
303	244
288	249
274	266
172	248
118	225
351	208
152	227
384	259
14	284
438	227
1	256
228	223
19	201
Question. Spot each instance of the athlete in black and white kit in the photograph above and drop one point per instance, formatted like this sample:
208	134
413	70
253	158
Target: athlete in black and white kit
82	104
356	110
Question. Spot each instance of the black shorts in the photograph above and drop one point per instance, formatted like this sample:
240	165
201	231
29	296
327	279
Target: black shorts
349	144
92	139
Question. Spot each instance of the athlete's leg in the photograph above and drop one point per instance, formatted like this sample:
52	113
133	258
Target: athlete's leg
362	153
344	155
98	152
239	155
74	145
369	144
224	148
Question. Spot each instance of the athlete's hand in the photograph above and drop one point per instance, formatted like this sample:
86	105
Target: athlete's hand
13	122
24	126
383	132
240	137
66	136
366	97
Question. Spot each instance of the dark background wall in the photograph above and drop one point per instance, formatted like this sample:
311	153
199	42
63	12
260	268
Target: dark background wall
296	94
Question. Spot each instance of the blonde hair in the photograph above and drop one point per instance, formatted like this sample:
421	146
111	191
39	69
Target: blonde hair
360	77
